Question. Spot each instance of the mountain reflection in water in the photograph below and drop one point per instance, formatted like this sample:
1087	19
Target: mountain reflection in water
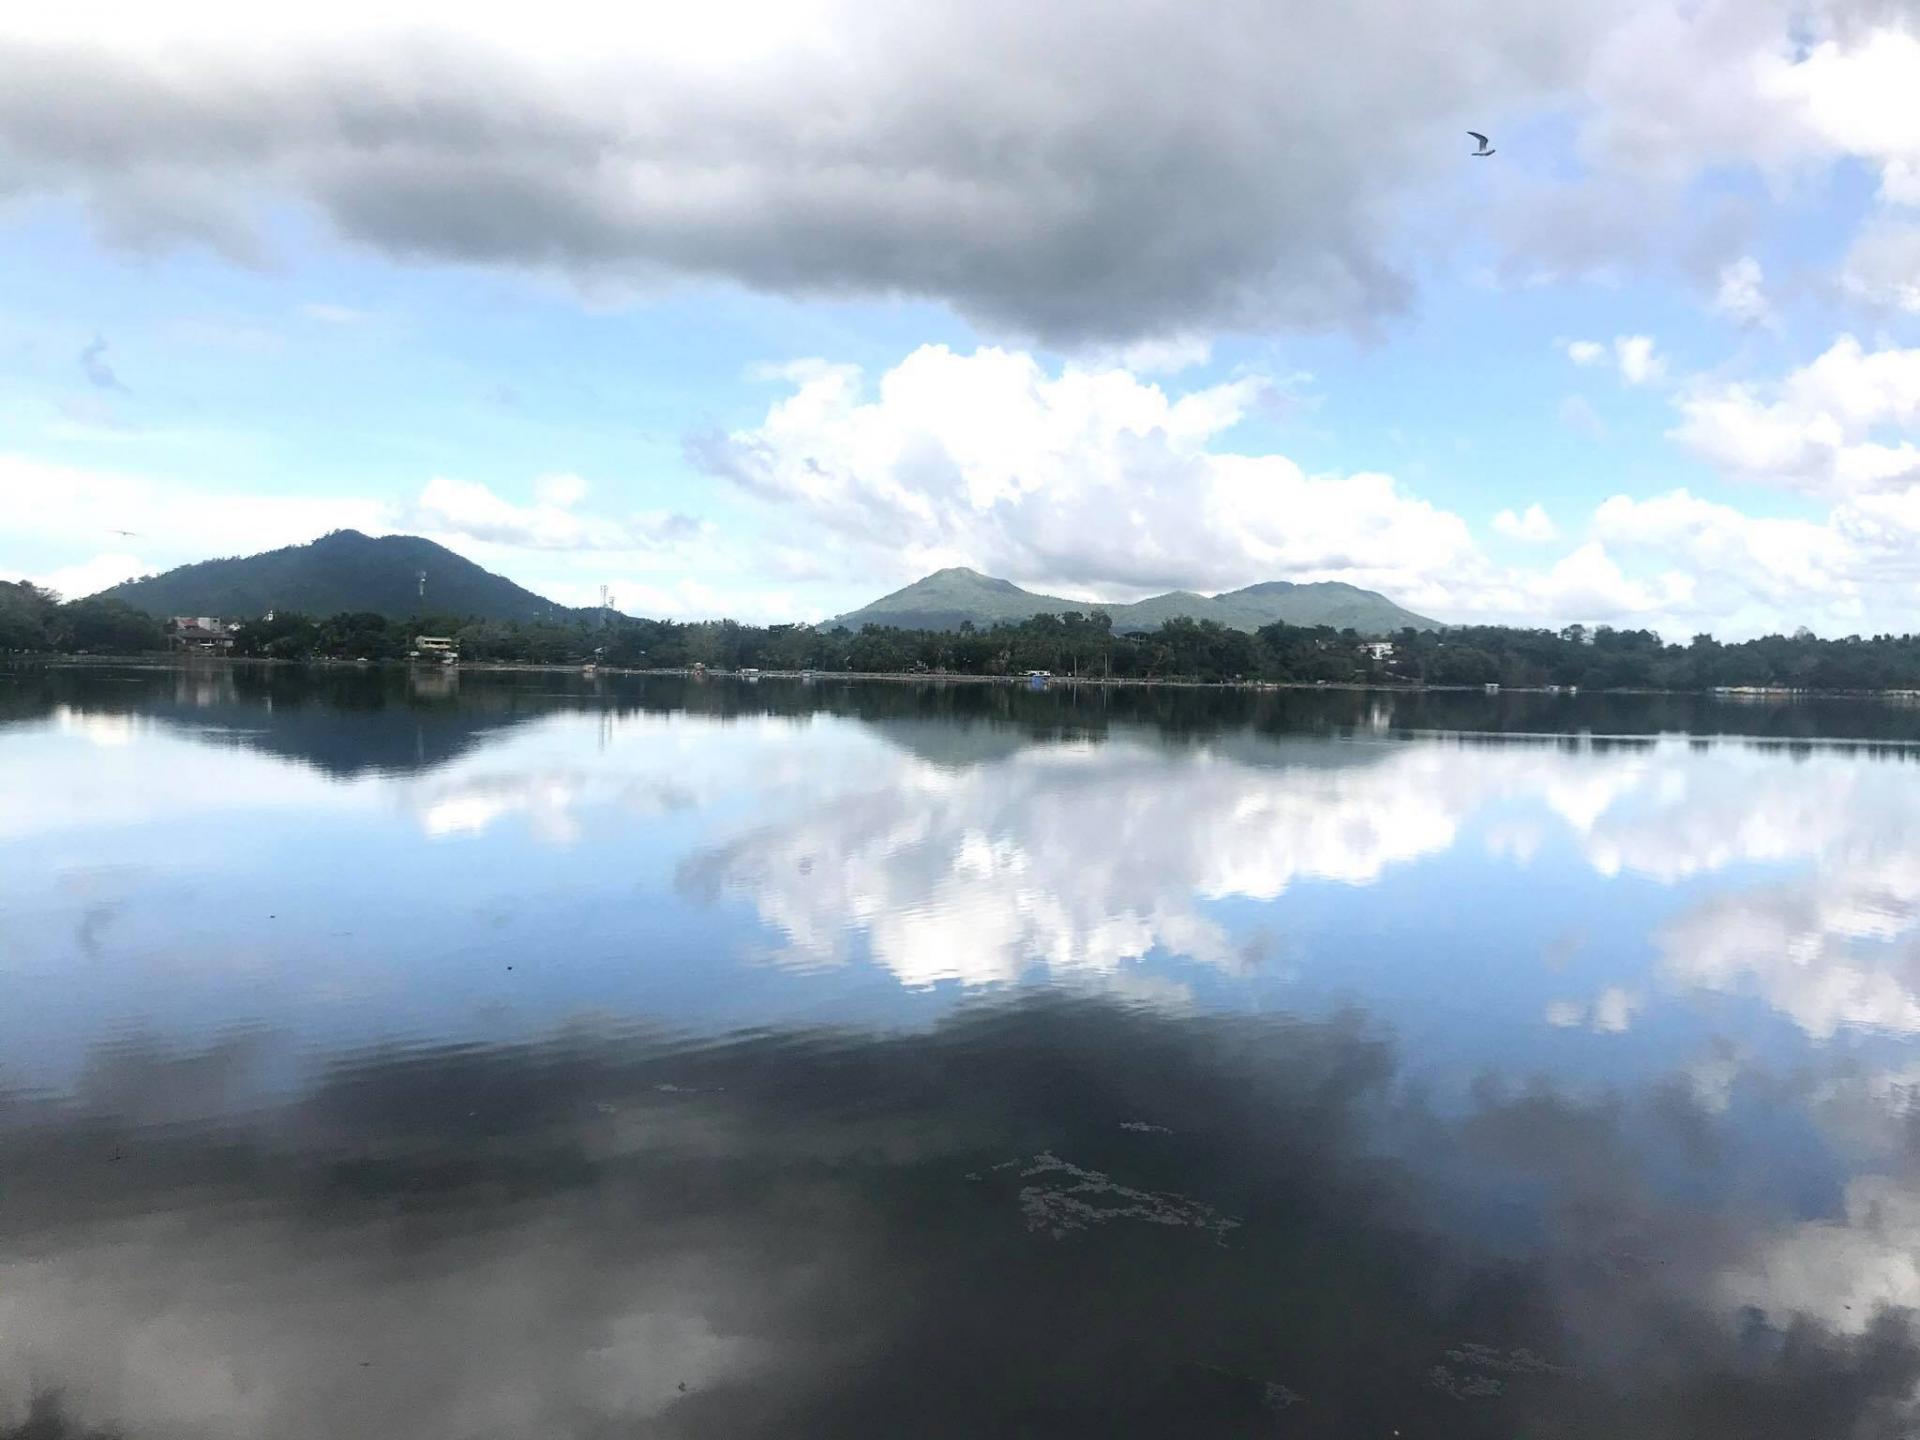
525	1056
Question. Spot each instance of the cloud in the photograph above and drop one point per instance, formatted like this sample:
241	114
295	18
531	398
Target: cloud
636	1233
1820	428
981	875
1611	1013
1882	268
1633	355
1082	478
74	510
1831	953
1638	363
1774	85
1840	1272
1097	482
94	365
662	562
1853	92
96	573
1785	562
466	508
1157	357
1176	177
1739	295
560	490
1533	525
1590	581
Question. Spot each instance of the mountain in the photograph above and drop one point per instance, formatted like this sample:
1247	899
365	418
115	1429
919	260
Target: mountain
947	597
341	571
348	571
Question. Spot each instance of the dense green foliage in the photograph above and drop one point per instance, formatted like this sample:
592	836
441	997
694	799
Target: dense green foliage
947	599
344	571
26	616
32	619
1072	644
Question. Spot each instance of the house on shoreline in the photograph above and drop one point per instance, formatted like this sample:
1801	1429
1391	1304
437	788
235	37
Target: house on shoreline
200	634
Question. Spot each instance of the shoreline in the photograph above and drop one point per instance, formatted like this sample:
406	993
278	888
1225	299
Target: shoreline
1741	693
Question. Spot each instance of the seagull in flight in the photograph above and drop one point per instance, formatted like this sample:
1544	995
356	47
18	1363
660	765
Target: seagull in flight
1485	149
126	532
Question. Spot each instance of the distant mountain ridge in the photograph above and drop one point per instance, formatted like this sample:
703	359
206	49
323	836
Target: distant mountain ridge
341	571
946	598
346	571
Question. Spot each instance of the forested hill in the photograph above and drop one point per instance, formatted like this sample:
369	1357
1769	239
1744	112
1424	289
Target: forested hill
341	572
948	599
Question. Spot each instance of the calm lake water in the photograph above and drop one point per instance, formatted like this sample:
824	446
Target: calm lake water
536	1056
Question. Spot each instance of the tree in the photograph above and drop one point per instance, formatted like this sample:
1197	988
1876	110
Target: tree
107	627
27	614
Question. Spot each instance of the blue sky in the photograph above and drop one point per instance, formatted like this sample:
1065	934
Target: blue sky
768	310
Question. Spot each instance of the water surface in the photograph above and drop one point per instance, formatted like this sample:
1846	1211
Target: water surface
509	1055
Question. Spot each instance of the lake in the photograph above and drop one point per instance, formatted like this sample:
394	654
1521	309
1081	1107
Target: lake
516	1055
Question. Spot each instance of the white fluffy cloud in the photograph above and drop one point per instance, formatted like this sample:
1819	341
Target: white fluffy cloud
1819	428
1776	84
1783	562
1532	524
1639	363
1080	478
1097	482
1855	93
1634	356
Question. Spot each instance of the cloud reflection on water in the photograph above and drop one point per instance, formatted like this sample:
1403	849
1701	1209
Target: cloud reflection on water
824	1228
827	1232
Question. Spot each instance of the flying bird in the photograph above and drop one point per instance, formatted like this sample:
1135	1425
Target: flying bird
126	532
1485	149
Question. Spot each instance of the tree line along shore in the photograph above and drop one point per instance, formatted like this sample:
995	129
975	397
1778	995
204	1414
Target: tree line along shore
33	621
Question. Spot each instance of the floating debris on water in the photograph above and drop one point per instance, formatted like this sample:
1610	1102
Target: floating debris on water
1464	1387
1069	1198
1278	1397
1273	1395
1514	1362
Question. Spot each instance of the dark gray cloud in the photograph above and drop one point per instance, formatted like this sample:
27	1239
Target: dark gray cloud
1075	172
